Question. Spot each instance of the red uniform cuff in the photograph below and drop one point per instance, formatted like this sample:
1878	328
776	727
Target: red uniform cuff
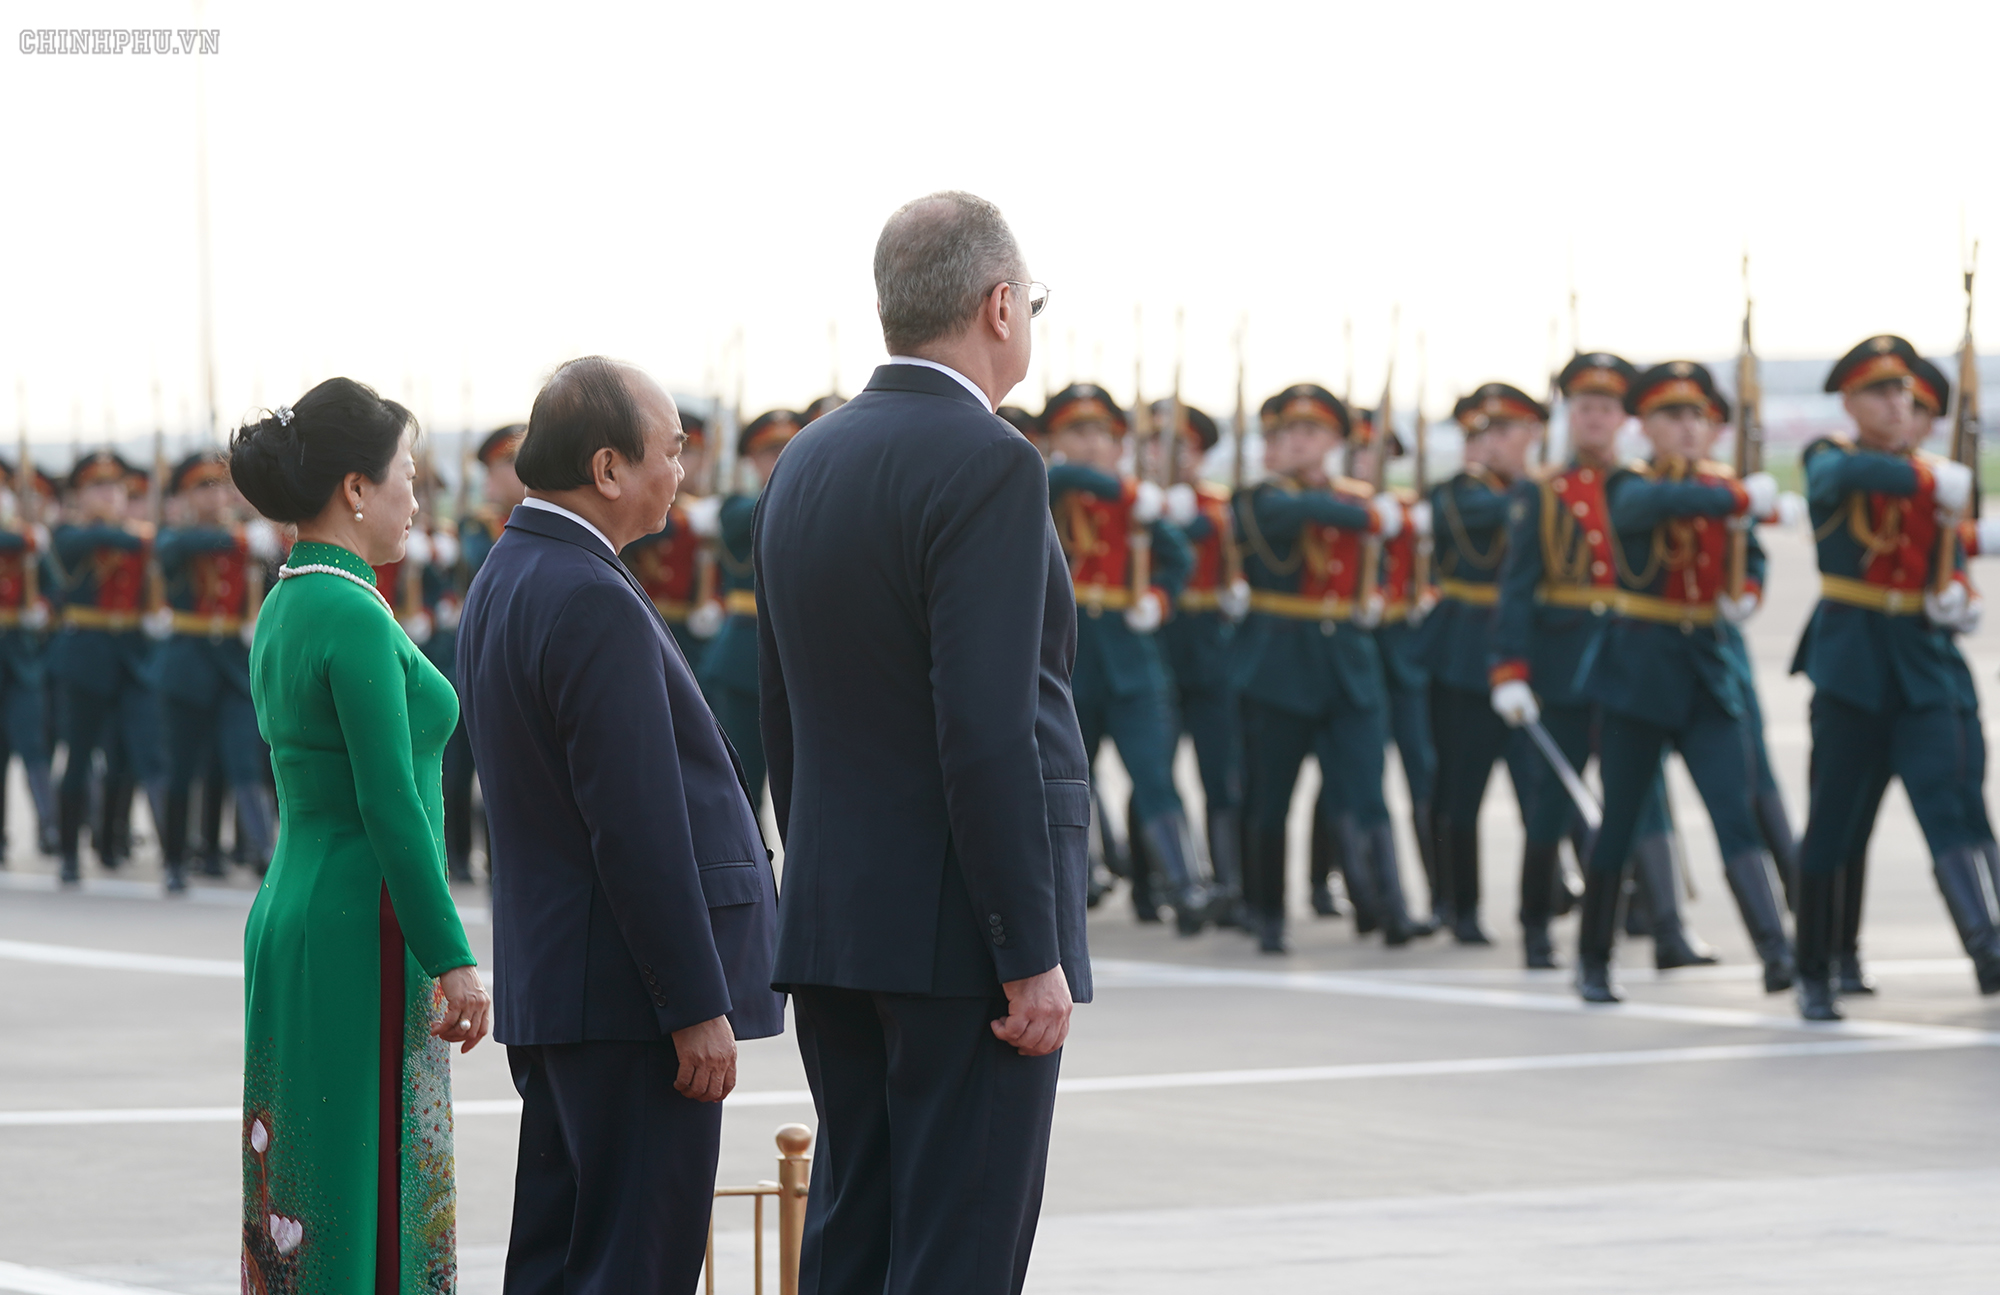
1507	672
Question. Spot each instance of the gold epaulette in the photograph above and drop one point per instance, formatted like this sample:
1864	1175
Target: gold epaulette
1713	468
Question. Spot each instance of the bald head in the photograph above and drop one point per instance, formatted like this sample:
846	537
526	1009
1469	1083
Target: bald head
587	405
937	259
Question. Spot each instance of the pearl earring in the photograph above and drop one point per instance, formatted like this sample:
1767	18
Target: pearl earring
357	514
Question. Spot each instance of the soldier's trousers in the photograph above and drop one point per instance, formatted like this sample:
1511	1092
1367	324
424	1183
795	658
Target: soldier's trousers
25	730
1470	738
1349	746
736	711
1716	747
1142	727
1410	729
125	721
1939	756
1213	717
1551	813
198	737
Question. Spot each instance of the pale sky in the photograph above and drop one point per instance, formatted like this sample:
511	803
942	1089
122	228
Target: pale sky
426	196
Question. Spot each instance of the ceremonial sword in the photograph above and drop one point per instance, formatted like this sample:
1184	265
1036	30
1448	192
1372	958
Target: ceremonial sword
1586	804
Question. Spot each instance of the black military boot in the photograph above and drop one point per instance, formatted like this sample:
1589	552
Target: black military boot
1653	871
1424	825
1638	913
1749	876
1959	877
41	789
71	808
1464	851
1594	934
1776	828
1225	846
1849	884
1568	893
1325	859
1116	861
1539	863
1816	899
1170	843
1141	868
1397	928
1264	888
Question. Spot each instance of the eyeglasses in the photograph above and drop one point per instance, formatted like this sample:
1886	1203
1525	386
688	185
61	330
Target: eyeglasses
1038	294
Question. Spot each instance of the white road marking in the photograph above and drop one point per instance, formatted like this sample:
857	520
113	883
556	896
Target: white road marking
1933	1041
110	960
47	1281
46	883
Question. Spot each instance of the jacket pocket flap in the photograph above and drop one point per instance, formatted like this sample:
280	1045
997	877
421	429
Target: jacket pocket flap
1068	800
723	884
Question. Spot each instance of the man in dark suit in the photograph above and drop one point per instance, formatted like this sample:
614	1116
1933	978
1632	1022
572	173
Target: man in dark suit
633	904
929	778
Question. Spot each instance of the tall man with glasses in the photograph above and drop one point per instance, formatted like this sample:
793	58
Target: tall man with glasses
929	778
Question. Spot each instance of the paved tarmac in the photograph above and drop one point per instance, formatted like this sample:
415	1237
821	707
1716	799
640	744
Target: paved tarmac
1350	1117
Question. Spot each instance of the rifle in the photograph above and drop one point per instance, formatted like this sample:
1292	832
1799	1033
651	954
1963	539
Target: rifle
156	508
1232	554
1140	538
1371	549
24	491
1749	435
1963	420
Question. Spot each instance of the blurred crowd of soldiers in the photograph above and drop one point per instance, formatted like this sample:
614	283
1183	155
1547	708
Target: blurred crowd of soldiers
1544	613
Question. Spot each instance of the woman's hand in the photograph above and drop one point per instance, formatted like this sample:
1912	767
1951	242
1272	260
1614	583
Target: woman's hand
468	1008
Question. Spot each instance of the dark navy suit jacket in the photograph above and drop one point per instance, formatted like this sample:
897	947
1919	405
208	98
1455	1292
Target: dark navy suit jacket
632	893
916	632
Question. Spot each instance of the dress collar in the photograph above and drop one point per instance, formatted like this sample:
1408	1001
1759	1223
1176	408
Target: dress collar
310	553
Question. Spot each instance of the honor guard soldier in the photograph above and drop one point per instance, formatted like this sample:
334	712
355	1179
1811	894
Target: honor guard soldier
1557	587
1887	700
103	655
1307	665
26	580
213	577
1027	425
824	405
676	564
1127	564
1930	396
1195	643
480	529
1469	520
728	673
1661	671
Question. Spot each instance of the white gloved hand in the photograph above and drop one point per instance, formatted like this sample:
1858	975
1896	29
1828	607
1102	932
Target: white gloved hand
1369	614
1235	601
43	541
1975	611
418	626
248	633
260	538
418	548
1514	701
705	621
449	612
704	515
159	625
444	548
1792	510
1148	614
1388	512
1421	608
1182	505
1948	610
1148	504
35	615
1736	610
1987	536
1954	486
1762	488
1420	517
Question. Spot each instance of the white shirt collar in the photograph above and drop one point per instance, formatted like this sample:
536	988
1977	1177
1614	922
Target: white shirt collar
560	511
950	372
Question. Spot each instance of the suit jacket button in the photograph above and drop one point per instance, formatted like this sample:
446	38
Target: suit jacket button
993	920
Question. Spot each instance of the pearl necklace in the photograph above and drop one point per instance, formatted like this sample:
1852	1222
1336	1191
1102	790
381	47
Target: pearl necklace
325	569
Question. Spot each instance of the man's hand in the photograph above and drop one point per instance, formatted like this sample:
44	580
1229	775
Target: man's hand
1038	1011
708	1060
1762	490
1954	486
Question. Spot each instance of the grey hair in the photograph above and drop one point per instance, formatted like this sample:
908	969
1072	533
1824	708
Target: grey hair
935	262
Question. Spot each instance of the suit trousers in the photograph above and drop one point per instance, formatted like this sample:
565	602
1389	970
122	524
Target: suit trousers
1716	748
933	1143
616	1172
